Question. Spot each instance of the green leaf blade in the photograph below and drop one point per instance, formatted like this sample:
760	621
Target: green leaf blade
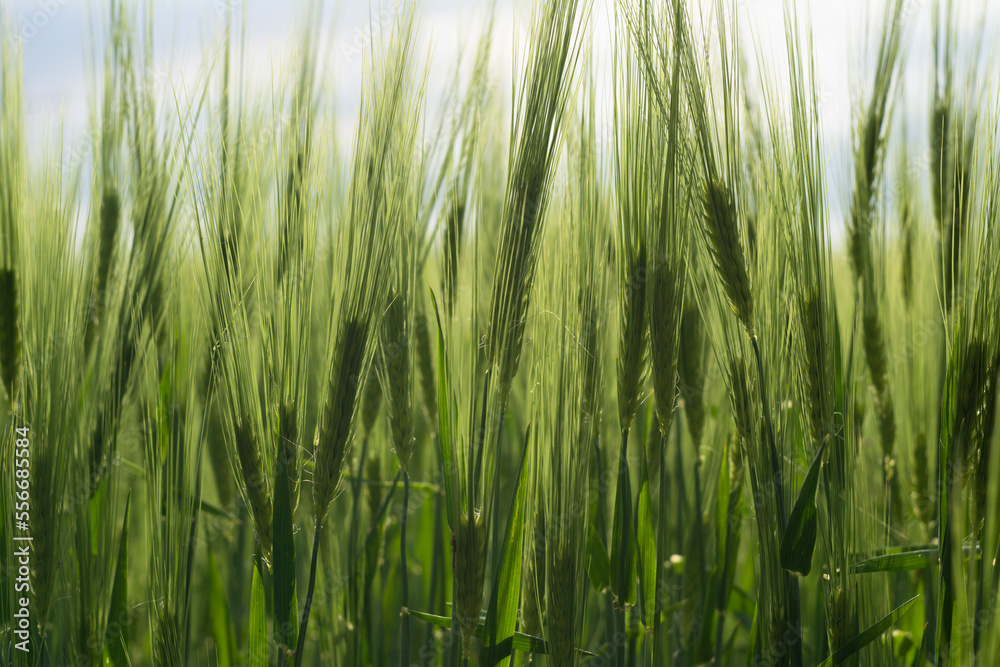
501	617
858	642
444	422
119	616
598	563
799	540
257	637
220	620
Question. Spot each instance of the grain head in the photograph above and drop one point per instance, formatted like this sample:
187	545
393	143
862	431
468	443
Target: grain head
540	107
396	373
469	545
719	219
256	482
332	438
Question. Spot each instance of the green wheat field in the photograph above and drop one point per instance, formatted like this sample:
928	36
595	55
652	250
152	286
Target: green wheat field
550	373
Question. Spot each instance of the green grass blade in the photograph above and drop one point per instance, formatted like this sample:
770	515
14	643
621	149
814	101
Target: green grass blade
752	647
444	422
646	535
501	618
901	562
219	619
522	642
374	539
257	638
210	509
908	559
598	563
858	642
283	581
799	540
116	632
623	521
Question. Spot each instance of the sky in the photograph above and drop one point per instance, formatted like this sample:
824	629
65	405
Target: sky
61	38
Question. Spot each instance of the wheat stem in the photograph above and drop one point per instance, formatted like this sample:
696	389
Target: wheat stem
946	600
624	487
496	487
681	490
727	558
404	615
977	626
601	522
304	624
791	583
437	582
353	536
659	645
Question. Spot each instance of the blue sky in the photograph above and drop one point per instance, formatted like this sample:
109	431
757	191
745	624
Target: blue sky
62	36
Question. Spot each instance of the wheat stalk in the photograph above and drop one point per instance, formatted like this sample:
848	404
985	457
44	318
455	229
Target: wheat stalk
11	202
380	182
535	134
